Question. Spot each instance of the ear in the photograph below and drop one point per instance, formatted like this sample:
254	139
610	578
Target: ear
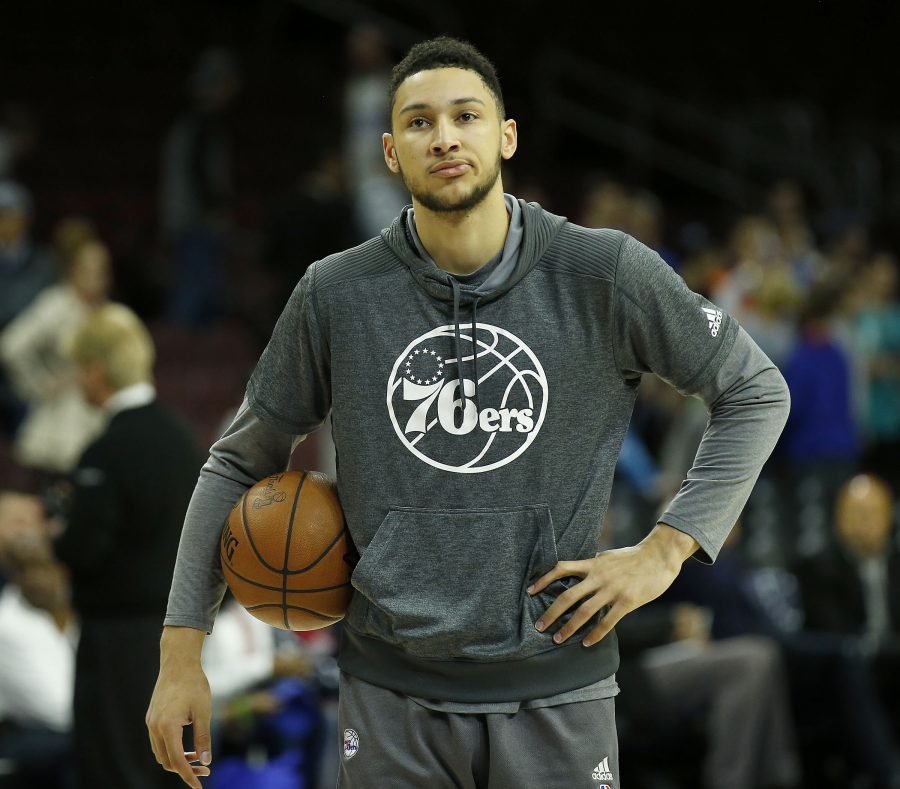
509	139
390	152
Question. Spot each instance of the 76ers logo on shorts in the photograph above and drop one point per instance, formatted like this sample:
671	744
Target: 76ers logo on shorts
351	743
434	422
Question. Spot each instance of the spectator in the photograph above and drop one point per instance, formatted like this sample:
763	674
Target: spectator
25	270
131	490
197	191
307	224
69	235
877	333
758	287
733	691
21	517
844	735
853	587
18	138
378	195
37	665
605	205
786	207
59	424
646	217
852	591
820	443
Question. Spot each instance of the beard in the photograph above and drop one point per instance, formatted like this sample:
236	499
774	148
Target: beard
467	202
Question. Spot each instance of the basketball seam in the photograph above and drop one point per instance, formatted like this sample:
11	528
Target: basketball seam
287	553
325	552
296	608
228	566
249	534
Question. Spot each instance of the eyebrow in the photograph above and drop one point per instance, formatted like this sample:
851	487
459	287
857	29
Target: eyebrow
423	106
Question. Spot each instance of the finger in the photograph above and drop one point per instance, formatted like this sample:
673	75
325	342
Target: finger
202	740
562	604
581	617
560	570
177	762
199	769
603	628
157	751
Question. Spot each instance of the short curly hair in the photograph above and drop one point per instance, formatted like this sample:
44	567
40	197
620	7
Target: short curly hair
447	52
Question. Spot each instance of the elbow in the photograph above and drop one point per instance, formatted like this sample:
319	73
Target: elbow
781	396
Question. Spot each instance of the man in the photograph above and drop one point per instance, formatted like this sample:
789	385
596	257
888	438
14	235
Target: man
479	360
850	592
196	190
849	588
131	489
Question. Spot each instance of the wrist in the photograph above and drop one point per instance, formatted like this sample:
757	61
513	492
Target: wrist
180	645
671	545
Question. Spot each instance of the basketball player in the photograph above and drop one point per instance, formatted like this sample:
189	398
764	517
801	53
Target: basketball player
480	360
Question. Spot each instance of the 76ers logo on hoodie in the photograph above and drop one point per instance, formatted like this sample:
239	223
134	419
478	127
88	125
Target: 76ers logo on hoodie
470	406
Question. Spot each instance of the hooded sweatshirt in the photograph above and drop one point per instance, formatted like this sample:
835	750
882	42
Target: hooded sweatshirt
477	422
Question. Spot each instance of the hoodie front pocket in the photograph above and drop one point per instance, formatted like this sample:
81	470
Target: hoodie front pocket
452	583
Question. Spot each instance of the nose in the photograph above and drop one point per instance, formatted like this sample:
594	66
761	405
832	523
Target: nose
444	138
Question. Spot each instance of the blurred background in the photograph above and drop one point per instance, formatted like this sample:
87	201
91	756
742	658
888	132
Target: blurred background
191	159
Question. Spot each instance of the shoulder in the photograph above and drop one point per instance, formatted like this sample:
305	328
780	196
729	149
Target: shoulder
153	416
583	251
372	258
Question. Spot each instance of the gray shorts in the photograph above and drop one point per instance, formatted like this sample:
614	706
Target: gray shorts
390	741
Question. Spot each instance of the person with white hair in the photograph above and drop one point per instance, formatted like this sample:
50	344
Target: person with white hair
130	493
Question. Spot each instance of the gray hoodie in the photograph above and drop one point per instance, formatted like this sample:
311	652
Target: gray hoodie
477	423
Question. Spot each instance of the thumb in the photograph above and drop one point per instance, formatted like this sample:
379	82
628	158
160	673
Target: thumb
202	739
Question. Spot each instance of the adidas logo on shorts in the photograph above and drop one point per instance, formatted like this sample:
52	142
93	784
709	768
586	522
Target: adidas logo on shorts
602	773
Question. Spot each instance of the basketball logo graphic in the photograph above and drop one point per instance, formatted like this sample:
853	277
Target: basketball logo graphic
500	415
351	743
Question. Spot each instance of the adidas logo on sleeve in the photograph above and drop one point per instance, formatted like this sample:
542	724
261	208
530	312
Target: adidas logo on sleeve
714	317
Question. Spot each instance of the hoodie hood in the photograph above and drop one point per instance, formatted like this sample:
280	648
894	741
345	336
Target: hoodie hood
532	230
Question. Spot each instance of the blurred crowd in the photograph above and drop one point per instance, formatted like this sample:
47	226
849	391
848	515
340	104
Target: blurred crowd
776	666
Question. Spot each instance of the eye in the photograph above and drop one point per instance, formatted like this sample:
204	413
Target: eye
418	123
467	116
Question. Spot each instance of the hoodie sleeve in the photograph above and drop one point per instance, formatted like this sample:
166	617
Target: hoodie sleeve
288	396
290	389
247	452
663	327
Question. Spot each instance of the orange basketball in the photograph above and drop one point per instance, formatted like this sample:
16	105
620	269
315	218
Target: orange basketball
286	552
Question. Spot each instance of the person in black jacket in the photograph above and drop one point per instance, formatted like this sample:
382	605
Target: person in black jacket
130	493
851	592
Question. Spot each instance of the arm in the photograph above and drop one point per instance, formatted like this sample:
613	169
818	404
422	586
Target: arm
25	341
248	451
663	329
288	396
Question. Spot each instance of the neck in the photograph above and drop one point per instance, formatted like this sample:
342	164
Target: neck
462	242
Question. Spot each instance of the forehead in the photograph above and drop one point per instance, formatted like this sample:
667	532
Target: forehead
441	87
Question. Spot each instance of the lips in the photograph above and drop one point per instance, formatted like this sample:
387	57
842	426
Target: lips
451	168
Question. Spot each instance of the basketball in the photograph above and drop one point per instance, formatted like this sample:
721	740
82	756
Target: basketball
286	552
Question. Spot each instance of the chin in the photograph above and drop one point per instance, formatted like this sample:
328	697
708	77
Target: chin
447	204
